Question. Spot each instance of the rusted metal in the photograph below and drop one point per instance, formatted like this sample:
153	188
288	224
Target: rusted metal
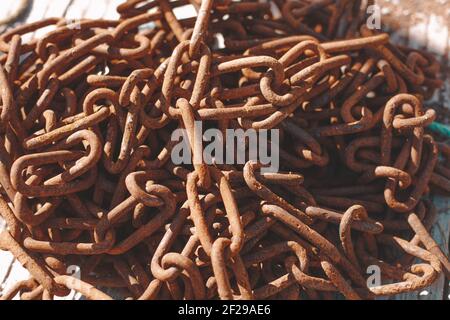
87	174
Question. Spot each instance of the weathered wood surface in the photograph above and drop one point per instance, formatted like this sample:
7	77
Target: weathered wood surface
416	23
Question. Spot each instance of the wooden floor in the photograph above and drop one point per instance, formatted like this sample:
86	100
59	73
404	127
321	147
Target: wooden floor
416	23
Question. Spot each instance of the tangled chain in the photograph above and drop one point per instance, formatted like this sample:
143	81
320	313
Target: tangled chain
87	179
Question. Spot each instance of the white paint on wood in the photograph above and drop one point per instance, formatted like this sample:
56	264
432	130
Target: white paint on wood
418	32
13	271
77	9
6	7
96	9
439	40
111	12
57	8
184	12
38	12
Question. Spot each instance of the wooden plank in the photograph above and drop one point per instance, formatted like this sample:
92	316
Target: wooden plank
57	8
37	12
440	41
7	7
111	12
78	8
96	9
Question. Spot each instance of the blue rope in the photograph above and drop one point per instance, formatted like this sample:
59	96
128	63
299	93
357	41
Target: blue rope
440	128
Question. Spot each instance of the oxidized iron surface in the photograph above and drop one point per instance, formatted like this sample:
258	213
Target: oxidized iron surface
87	112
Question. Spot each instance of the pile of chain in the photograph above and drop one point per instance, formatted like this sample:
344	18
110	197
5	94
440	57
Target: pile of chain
87	113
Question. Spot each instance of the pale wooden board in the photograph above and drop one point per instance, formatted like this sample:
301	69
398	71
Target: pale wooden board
430	33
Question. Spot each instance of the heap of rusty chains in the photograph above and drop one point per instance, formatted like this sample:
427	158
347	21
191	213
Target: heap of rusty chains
87	178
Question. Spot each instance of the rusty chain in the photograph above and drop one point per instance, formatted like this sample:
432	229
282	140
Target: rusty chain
87	113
